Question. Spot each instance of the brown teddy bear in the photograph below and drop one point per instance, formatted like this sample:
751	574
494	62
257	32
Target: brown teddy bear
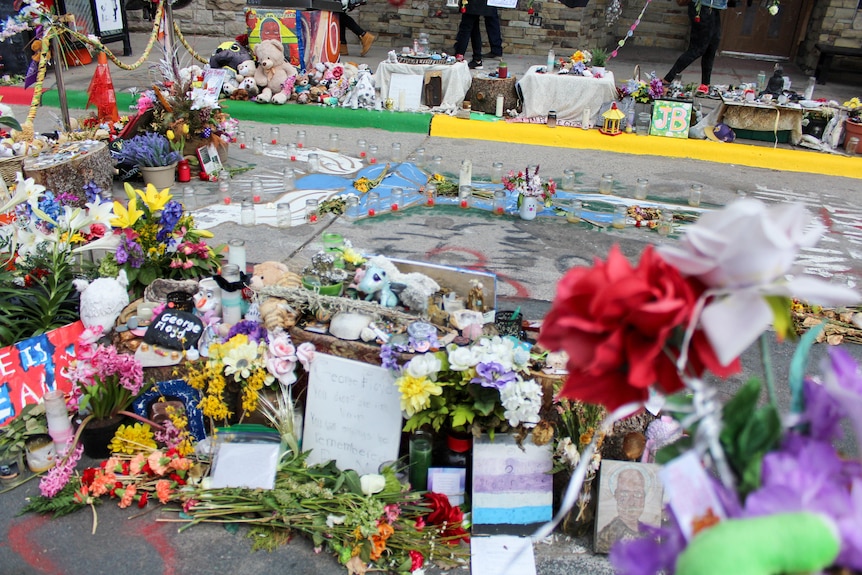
272	71
273	273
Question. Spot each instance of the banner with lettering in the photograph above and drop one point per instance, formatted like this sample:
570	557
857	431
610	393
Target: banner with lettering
671	119
33	366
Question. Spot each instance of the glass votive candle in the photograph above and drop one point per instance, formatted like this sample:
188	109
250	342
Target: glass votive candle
573	213
568	181
420	460
499	202
619	221
396	152
333	142
240	139
436	164
313	163
372	204
300	139
351	208
372	154
283	216
606	184
641	188
695	193
257	146
497	173
256	189
288	179
290	152
419	156
362	149
332	242
189	198
430	194
465	196
665	223
396	199
312	211
246	213
274	134
224	189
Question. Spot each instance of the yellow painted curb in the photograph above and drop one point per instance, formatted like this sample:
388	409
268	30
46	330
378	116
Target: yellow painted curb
810	162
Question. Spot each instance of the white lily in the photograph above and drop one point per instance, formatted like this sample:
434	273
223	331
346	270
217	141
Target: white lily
101	212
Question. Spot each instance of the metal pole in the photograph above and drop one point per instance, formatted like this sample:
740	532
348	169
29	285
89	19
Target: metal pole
61	86
169	35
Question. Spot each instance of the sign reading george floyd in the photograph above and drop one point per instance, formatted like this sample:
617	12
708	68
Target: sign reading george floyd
174	330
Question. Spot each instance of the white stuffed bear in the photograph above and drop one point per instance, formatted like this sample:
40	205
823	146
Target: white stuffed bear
246	69
362	94
103	300
272	71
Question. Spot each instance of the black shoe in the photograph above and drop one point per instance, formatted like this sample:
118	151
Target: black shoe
475	65
495	55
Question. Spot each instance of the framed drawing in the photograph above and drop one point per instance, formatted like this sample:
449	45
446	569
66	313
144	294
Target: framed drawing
210	162
629	493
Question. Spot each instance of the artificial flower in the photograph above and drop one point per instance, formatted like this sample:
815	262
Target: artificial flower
744	253
424	365
522	401
493	374
240	360
372	483
132	438
126	217
416	393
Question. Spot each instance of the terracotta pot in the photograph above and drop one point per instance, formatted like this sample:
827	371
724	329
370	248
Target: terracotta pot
853	130
98	434
160	176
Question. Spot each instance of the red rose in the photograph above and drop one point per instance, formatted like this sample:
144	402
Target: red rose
615	323
530	11
416	560
440	508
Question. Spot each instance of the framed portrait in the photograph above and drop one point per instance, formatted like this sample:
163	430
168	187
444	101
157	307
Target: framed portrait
629	493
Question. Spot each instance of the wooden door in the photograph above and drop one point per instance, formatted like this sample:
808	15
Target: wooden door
749	29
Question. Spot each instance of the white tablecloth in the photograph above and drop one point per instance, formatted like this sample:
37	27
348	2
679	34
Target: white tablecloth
456	79
567	94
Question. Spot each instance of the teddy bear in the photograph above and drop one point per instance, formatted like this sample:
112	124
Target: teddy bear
272	273
246	90
300	89
272	71
230	56
103	300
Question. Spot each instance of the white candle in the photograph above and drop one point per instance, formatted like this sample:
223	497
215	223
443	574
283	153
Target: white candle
236	254
499	111
586	118
59	424
401	98
465	178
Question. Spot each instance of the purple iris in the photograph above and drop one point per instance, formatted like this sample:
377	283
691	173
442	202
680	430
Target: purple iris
493	374
388	358
823	412
129	252
655	552
93	191
254	330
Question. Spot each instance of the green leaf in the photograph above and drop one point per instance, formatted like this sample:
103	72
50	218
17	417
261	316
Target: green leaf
674	450
462	415
352	483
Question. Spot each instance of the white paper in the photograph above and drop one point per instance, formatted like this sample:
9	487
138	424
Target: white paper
406	90
502	555
449	481
503	3
251	465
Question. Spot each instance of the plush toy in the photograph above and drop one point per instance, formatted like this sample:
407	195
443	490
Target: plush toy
362	93
208	298
272	273
231	55
276	313
300	89
413	289
376	283
272	71
246	90
768	545
103	300
317	93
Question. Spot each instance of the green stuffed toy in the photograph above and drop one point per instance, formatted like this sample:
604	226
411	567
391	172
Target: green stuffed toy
769	545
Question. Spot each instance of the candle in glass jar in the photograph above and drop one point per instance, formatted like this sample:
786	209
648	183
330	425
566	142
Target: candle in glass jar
465	196
396	199
499	202
430	194
420	460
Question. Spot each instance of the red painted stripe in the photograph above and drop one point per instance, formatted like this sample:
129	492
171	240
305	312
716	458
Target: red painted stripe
23	542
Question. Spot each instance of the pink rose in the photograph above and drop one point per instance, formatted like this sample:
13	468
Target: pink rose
281	346
305	354
281	369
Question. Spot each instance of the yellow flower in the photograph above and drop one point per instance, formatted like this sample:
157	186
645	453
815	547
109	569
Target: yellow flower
186	129
352	256
133	438
416	393
170	135
240	361
155	199
126	217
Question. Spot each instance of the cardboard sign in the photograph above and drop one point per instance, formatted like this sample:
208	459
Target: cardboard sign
406	91
31	367
671	119
512	487
352	414
175	330
629	493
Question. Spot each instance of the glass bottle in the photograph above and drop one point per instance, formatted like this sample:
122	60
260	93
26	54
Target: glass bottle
573	214
333	143
189	198
430	195
257	146
499	202
312	213
665	223
300	139
231	301
372	204
694	195
246	214
288	180
290	152
256	190
396	152
372	154
351	208
419	157
362	149
313	163
606	184
641	188
568	182
240	139
619	221
465	196
396	199
283	216
436	164
274	134
224	190
420	460
497	173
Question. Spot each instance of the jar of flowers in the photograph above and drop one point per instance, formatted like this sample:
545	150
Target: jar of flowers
532	191
154	155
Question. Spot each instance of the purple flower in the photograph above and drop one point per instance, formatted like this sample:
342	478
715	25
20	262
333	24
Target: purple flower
823	412
93	191
254	330
656	552
493	374
58	476
129	252
851	535
387	357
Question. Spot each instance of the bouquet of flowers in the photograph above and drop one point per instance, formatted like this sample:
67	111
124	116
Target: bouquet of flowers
484	387
157	240
642	92
149	149
854	110
694	307
528	184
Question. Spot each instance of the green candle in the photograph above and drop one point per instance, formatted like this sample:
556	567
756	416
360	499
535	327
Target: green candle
420	460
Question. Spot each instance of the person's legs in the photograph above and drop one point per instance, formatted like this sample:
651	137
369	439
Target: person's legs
476	41
465	32
366	39
495	37
342	34
708	59
697	44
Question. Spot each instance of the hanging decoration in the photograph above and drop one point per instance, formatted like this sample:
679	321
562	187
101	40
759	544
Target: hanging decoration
631	31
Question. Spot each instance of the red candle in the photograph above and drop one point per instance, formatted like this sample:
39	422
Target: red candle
394	207
498	211
273	141
372	212
227	201
362	154
255	199
293	158
299	144
313	218
242	146
464	204
372	161
429	202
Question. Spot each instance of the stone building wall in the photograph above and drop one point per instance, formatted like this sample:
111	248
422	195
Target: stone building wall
836	22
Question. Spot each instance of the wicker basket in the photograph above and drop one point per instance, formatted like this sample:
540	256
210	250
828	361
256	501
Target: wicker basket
9	168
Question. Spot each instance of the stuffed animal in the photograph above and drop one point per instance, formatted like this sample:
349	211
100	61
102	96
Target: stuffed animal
300	89
413	289
275	313
246	90
231	55
272	71
376	283
317	93
272	273
362	93
246	70
103	300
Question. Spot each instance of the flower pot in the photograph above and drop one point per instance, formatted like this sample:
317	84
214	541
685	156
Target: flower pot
529	208
98	434
599	71
160	176
853	130
331	290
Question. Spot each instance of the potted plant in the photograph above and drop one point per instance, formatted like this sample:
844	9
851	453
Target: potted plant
154	155
853	125
600	58
324	275
531	191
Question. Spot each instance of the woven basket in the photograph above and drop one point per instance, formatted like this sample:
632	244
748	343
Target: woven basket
9	168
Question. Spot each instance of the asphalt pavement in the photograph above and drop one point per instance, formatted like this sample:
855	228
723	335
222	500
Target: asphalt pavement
528	258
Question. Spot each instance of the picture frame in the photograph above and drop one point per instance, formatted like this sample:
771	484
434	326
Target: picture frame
210	161
629	493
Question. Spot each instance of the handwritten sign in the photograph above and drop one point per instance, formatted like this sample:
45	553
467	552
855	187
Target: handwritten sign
33	366
174	330
671	119
512	488
352	414
406	91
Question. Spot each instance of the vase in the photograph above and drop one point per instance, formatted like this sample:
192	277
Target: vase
529	208
159	176
853	130
599	71
97	435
